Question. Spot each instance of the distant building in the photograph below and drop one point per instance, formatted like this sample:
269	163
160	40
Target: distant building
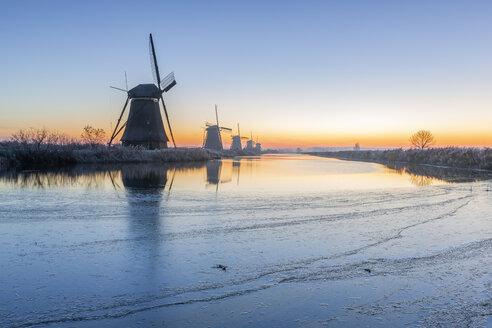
249	145
213	138
236	143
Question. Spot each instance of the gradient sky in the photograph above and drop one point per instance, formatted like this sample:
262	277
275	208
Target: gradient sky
295	73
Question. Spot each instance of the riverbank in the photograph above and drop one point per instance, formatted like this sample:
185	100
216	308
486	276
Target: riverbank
15	154
452	157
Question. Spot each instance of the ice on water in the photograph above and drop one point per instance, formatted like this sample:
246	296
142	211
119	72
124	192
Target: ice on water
303	241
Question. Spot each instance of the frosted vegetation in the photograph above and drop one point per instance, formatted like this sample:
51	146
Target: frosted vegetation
40	147
467	158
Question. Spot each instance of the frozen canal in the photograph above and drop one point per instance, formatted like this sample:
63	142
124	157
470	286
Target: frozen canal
307	242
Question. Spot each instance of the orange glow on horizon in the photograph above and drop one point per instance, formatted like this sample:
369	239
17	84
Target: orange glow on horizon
278	139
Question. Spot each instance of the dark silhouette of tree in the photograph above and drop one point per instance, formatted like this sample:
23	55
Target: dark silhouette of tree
92	136
422	139
38	137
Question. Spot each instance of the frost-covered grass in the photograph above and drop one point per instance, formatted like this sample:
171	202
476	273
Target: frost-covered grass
466	158
120	154
23	154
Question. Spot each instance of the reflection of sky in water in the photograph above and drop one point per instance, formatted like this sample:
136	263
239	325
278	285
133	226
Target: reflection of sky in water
137	245
270	173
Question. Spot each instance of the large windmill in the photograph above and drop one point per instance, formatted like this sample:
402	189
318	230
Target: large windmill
236	140
144	126
213	139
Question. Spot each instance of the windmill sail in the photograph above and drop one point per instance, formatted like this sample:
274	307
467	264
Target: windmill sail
168	82
153	63
157	78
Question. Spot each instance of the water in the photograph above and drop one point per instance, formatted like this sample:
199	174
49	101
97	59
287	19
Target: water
307	241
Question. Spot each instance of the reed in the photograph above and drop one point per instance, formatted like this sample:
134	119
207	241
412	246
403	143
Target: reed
25	154
457	157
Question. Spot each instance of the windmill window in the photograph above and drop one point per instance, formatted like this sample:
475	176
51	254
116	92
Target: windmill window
148	122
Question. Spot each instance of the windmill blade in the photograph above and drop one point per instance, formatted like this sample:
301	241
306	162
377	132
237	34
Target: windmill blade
218	126
153	61
157	77
209	124
225	129
171	185
122	127
118	88
167	117
119	119
216	115
168	82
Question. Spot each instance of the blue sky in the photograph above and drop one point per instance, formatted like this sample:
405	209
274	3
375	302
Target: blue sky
297	73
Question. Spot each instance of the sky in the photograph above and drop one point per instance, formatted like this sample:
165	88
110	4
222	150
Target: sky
292	73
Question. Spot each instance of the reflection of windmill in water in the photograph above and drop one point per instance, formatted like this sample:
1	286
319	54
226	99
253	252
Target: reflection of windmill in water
144	177
144	188
147	177
214	174
144	125
236	140
236	166
213	138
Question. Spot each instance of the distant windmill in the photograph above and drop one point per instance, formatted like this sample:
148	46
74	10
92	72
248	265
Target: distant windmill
249	143
257	146
213	139
236	140
144	125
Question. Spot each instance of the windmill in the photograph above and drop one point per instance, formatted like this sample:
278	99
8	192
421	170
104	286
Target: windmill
213	139
257	146
249	143
236	140
144	126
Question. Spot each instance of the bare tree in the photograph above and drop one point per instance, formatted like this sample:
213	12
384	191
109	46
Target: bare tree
31	136
422	139
58	138
93	136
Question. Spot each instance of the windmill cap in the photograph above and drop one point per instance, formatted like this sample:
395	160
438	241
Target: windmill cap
145	91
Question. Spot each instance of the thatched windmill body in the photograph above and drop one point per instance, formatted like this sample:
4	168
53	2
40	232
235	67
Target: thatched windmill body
257	146
144	125
213	138
250	143
236	140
